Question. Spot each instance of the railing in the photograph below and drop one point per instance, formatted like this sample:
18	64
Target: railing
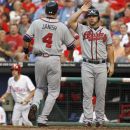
110	80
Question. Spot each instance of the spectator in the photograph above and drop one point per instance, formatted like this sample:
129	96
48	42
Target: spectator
15	14
29	7
5	53
22	90
67	11
115	28
15	40
6	19
40	12
125	58
118	50
126	17
4	26
117	8
123	35
104	9
65	54
9	5
2	115
24	24
77	56
37	2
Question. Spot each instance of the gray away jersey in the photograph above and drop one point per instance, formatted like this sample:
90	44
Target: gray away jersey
94	42
49	35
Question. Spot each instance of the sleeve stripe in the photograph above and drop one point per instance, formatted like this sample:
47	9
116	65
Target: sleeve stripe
28	36
71	46
72	43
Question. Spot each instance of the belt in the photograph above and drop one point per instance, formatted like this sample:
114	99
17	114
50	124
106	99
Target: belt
94	61
45	54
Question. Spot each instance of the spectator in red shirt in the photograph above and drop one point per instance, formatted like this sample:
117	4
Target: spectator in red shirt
5	53
29	7
5	17
4	26
126	18
15	40
117	7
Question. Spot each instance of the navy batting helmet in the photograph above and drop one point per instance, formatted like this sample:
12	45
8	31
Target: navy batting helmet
51	8
92	12
16	67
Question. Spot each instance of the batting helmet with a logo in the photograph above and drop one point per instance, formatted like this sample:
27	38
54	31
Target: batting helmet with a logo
93	12
51	8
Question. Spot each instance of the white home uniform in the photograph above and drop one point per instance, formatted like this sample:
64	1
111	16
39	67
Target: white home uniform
2	116
20	90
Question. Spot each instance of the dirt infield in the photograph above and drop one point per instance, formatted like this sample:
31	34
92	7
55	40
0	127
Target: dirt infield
63	128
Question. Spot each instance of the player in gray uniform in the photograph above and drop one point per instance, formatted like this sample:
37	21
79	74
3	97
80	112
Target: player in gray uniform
49	35
97	48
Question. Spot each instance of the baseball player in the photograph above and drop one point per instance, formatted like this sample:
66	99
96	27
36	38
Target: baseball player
2	115
49	36
22	90
97	48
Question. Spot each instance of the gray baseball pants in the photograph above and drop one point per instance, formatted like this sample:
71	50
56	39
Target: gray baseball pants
48	77
94	76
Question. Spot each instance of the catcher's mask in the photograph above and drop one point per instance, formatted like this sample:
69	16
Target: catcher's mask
16	67
51	8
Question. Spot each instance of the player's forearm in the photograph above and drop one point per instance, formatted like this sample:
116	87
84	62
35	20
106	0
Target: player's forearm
30	96
4	96
74	18
110	52
26	47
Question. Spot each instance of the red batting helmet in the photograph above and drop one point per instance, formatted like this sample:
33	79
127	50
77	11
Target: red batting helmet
16	67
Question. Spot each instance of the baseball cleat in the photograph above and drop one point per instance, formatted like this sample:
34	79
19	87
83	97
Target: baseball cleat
32	113
88	124
42	125
98	124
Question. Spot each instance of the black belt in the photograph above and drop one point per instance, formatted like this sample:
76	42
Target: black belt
94	61
45	54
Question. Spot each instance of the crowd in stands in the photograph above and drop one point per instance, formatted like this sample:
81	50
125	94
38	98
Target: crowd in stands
16	16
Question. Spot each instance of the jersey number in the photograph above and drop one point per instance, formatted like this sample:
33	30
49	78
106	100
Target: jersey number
48	40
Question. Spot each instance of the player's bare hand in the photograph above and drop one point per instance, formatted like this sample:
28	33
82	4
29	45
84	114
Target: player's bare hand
2	100
87	4
24	102
86	1
110	70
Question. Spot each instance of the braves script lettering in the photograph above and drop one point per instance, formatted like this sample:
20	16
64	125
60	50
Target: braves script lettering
94	36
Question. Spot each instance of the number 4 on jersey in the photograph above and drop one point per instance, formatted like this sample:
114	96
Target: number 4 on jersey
48	40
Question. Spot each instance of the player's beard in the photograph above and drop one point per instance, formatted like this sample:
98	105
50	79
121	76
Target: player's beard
93	24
